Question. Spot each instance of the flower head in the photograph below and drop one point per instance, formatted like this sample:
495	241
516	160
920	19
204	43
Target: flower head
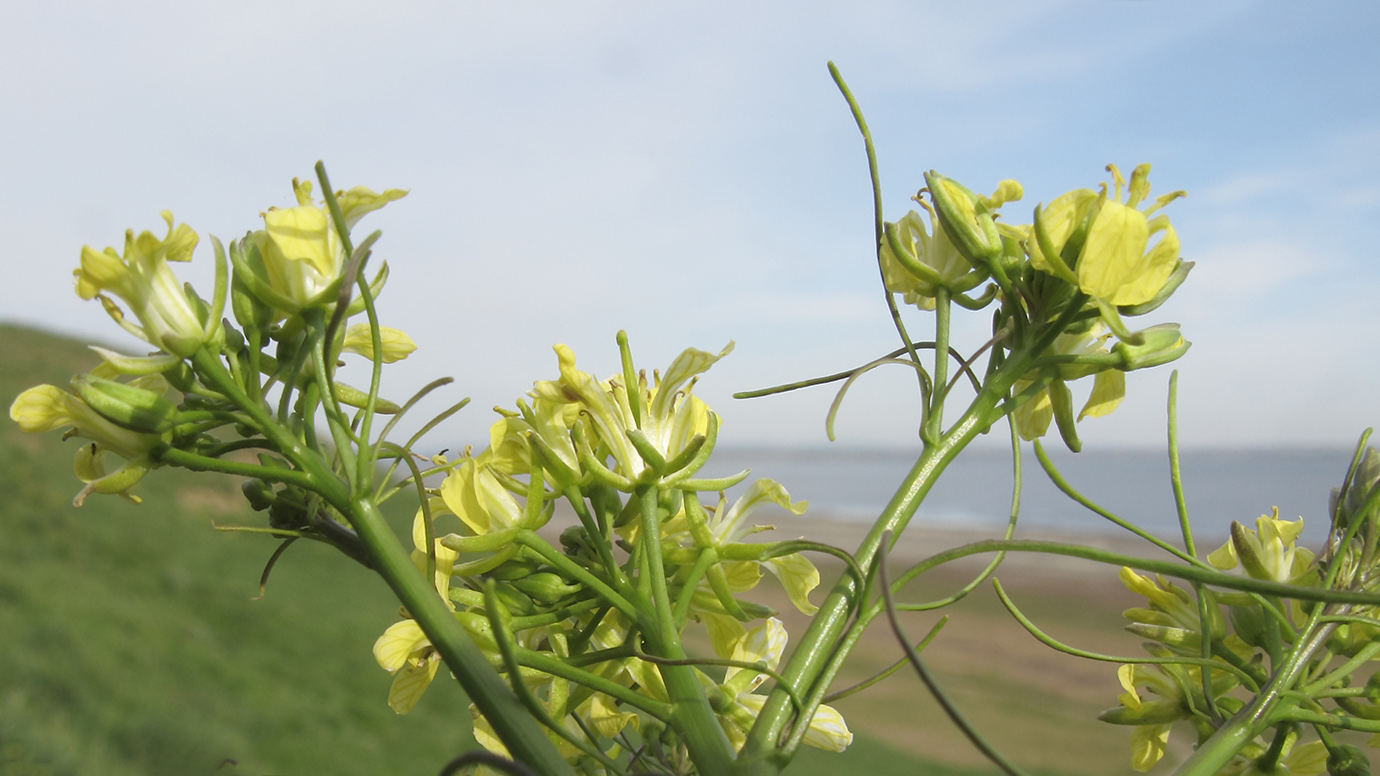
1103	245
1268	553
765	644
303	257
665	415
49	408
170	317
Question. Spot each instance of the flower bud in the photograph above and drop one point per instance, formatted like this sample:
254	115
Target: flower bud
1150	713
1249	623
1347	760
258	493
127	406
966	219
546	587
513	599
1180	640
396	344
1160	345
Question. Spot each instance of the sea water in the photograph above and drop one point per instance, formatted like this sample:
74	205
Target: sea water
1220	486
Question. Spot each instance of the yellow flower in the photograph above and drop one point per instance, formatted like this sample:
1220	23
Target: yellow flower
665	414
170	317
1115	262
48	408
1172	615
925	263
301	251
404	650
765	644
1267	552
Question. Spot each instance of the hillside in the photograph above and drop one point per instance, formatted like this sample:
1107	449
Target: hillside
132	643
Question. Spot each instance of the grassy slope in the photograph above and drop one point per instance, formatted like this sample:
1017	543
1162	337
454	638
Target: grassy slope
131	643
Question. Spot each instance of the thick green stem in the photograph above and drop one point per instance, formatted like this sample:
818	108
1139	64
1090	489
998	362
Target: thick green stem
1253	720
496	701
704	736
511	722
760	754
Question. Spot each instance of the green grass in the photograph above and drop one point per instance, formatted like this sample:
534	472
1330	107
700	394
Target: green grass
131	640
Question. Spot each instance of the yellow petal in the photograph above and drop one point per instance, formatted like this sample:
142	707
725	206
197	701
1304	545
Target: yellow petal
409	684
398	643
1148	745
799	576
1126	674
1108	389
607	719
396	344
1033	417
828	730
1223	557
1152	270
41	408
359	201
302	234
1114	247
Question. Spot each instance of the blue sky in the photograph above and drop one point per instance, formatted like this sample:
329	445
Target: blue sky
690	174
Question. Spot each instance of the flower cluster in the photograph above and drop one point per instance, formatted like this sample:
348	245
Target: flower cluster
1065	284
1253	645
286	276
575	623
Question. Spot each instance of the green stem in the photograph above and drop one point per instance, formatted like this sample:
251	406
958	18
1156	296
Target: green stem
1257	717
511	722
934	419
759	754
704	736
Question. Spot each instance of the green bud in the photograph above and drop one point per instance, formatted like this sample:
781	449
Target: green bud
1367	476
354	397
1150	713
1249	623
1347	760
513	569
259	494
286	516
1245	552
1180	640
546	587
965	218
480	629
249	310
513	599
1160	345
125	405
1364	707
1061	399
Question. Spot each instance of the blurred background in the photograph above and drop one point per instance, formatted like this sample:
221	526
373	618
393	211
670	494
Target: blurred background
691	175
